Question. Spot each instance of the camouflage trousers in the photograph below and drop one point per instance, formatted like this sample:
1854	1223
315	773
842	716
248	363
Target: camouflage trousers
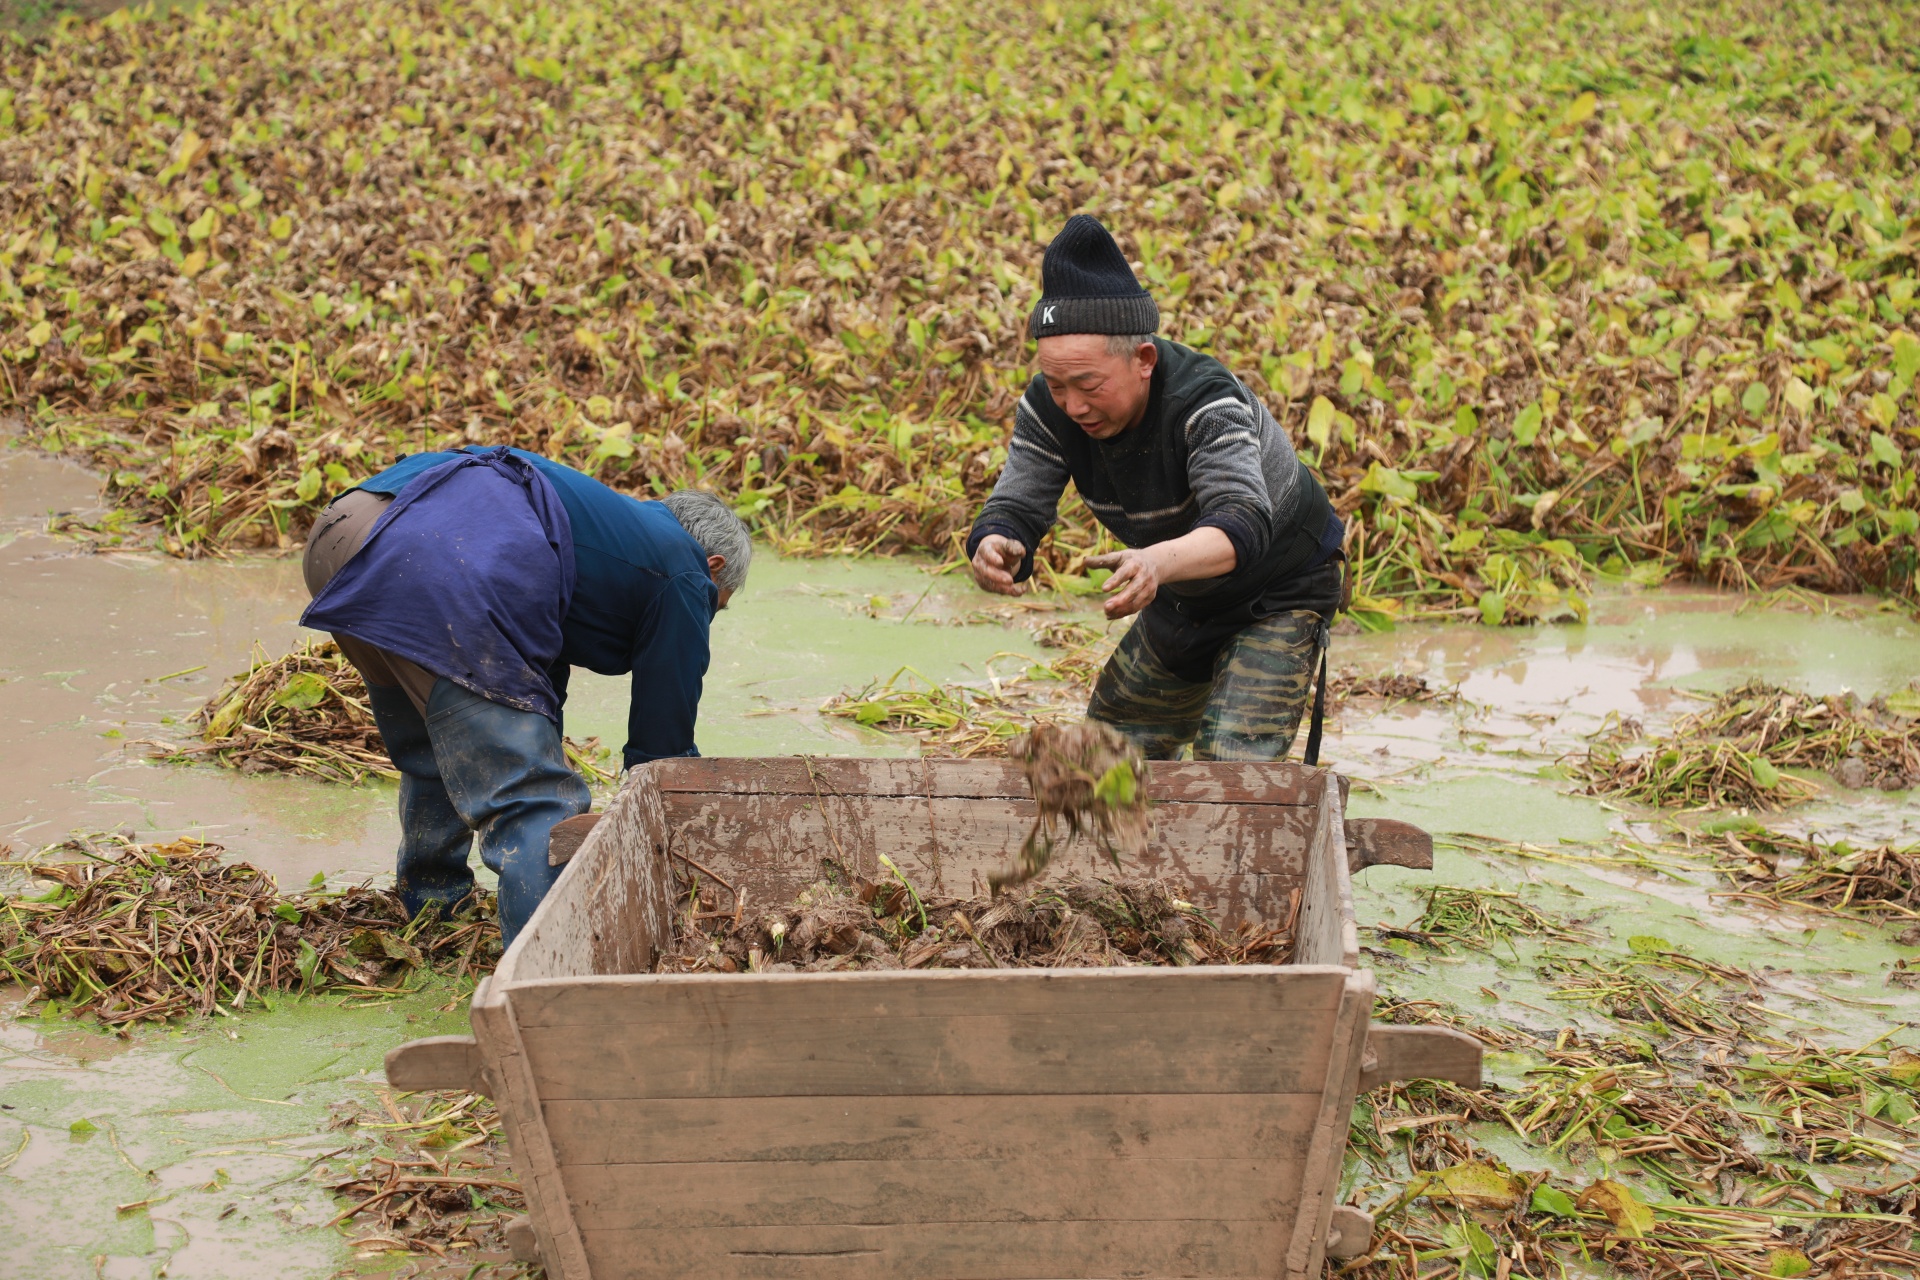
1249	710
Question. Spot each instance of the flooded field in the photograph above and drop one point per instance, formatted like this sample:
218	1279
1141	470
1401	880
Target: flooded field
203	1150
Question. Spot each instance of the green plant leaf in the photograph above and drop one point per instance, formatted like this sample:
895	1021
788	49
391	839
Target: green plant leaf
1526	424
1906	356
1117	787
1320	422
302	692
1475	1184
1552	1200
1787	1263
1622	1206
307	961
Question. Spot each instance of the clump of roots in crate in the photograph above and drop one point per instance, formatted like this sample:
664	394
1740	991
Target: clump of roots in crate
846	922
130	932
1086	779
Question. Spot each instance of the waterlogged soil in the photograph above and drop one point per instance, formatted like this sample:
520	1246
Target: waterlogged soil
206	1131
201	1150
103	655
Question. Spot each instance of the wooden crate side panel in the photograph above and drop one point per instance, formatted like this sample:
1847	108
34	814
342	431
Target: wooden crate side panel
530	1152
944	1251
1327	935
609	909
1039	1126
1320	1171
1239	860
928	1188
828	776
1239	1030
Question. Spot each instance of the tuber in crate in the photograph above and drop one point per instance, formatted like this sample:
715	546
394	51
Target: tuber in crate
987	1124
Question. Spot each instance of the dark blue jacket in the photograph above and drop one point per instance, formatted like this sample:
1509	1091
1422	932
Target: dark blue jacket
642	602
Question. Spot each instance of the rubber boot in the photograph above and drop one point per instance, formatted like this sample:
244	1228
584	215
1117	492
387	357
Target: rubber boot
507	774
431	870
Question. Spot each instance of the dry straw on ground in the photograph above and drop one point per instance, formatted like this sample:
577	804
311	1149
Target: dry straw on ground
1542	290
131	932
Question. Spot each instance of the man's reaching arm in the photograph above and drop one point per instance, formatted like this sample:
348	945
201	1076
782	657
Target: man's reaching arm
1023	505
669	669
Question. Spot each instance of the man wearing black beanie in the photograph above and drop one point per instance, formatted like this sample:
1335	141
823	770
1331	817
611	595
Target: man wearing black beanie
1233	559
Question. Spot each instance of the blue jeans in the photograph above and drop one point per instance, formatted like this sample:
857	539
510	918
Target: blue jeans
470	766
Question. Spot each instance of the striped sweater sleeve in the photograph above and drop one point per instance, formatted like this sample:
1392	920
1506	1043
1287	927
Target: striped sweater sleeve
1230	466
1026	499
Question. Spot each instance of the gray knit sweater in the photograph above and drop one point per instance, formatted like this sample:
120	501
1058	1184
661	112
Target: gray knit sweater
1206	454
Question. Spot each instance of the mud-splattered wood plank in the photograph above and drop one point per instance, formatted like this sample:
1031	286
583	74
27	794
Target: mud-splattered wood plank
511	1084
1252	784
609	910
979	1251
957	1127
778	844
1326	932
928	1189
1200	1030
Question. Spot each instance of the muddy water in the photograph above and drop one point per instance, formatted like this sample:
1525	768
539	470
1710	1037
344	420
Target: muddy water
206	1131
103	655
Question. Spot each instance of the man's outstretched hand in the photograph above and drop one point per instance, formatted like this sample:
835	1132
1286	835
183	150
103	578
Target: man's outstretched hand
1134	584
1139	573
995	561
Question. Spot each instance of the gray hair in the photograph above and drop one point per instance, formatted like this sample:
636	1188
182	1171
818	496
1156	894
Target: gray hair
718	531
1125	344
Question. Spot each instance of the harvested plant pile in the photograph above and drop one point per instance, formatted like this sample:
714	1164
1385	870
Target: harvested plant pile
1676	993
1540	289
433	1181
152	931
1389	687
1731	754
855	924
965	720
1480	919
306	712
1087	778
1880	883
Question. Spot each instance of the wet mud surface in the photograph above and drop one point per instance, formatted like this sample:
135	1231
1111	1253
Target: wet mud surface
188	1149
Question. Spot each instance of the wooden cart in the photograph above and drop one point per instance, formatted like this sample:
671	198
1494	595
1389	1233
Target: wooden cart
945	1125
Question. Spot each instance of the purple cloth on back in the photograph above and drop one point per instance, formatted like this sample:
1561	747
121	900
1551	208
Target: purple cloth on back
468	573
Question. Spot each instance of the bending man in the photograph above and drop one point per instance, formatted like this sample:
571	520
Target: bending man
465	587
1233	559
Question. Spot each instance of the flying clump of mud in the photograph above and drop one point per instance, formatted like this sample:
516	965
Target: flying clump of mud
1087	778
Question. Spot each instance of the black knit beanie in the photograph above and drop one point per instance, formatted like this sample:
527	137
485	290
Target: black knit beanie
1086	286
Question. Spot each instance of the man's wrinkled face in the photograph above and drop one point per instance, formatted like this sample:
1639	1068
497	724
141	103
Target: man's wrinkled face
1104	393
